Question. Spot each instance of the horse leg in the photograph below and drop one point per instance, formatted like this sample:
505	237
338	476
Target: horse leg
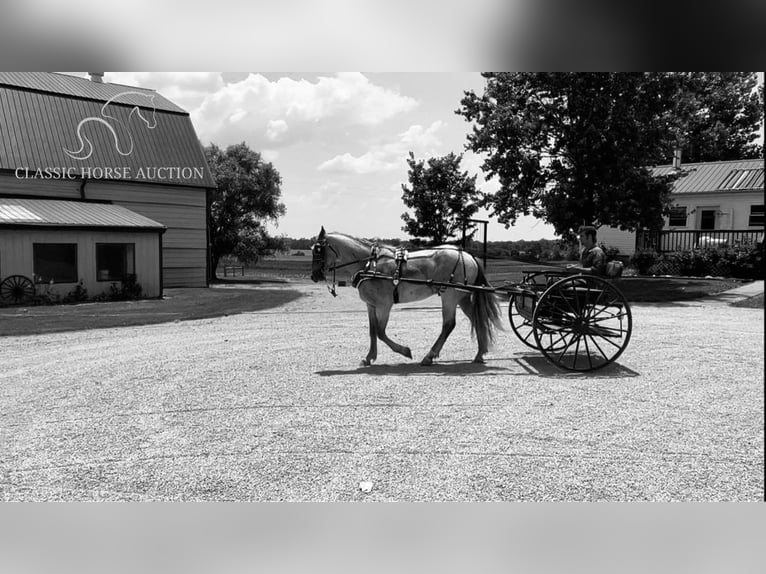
372	354
449	307
382	314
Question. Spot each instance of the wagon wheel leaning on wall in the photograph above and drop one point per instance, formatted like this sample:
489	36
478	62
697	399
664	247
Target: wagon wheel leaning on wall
16	289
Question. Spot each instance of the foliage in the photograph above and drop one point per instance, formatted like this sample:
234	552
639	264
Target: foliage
742	262
643	260
247	196
77	295
442	198
574	148
723	112
129	289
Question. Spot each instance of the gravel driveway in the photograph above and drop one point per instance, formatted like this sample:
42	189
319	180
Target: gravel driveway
271	405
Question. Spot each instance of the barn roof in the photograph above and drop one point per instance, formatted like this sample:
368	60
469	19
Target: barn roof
62	213
57	121
717	177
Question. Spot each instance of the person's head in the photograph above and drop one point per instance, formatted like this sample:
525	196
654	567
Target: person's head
587	236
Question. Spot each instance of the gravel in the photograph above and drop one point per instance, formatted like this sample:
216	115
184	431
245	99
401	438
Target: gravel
272	405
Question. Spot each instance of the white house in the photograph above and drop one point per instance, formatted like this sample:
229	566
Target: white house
720	200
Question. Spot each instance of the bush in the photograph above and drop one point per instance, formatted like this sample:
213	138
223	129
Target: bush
77	295
643	260
741	262
128	290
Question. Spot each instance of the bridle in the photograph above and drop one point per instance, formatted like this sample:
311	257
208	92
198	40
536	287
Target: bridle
319	250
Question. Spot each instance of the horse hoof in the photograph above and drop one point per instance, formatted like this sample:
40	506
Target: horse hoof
365	363
407	353
426	362
479	360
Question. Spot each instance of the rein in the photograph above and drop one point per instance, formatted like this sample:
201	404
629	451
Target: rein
374	254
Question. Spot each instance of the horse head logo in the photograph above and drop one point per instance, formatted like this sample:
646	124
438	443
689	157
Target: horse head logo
148	117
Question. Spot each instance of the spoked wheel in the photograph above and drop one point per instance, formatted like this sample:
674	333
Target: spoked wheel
522	307
16	289
582	323
520	310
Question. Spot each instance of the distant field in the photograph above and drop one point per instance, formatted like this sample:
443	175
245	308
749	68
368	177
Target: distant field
291	268
298	267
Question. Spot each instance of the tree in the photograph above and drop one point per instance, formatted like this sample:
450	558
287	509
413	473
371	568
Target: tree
577	148
247	195
723	112
442	198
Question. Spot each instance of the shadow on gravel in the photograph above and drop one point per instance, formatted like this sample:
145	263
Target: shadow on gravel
537	365
414	369
534	365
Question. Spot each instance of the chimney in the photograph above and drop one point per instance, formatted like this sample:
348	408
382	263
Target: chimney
97	77
677	158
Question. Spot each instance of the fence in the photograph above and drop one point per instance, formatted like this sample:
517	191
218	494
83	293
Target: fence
669	241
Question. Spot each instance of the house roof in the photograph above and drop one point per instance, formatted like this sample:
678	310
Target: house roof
79	214
717	177
57	121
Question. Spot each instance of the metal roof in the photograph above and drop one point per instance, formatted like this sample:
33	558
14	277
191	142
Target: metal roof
40	129
62	213
718	176
78	87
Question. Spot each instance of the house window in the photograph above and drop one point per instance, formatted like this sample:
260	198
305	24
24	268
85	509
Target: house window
115	261
678	216
55	262
756	216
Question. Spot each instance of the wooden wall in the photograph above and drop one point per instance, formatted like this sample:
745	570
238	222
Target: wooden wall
181	209
16	256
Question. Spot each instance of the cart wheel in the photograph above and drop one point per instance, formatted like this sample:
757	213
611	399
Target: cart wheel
522	306
582	323
520	309
16	289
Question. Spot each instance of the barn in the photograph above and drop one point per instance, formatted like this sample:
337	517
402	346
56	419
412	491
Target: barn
111	178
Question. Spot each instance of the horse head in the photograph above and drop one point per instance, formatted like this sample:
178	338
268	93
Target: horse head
319	257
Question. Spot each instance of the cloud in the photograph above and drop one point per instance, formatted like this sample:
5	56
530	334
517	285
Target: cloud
282	112
187	89
388	156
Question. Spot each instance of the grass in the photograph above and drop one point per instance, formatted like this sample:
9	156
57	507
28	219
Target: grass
177	305
754	302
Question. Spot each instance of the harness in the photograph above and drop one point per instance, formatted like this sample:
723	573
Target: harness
319	249
401	256
370	270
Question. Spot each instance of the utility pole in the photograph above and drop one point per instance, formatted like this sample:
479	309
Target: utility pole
484	222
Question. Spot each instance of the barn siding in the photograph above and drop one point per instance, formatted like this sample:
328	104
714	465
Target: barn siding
16	256
181	209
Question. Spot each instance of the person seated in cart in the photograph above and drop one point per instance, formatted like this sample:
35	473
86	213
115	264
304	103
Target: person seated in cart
593	258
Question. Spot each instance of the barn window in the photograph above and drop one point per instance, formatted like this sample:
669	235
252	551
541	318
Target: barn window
55	262
115	261
678	216
756	216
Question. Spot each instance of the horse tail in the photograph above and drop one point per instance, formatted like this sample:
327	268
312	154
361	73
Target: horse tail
486	318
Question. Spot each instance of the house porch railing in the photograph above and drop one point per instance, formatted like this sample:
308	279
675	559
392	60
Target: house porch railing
668	241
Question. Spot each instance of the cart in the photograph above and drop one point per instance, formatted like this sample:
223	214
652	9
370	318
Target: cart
578	322
17	290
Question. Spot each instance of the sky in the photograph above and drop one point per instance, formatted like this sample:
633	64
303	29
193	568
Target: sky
340	141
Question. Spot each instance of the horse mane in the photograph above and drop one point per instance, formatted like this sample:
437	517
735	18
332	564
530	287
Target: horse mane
366	242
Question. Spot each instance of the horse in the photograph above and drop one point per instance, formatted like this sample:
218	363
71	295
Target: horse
381	278
86	146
